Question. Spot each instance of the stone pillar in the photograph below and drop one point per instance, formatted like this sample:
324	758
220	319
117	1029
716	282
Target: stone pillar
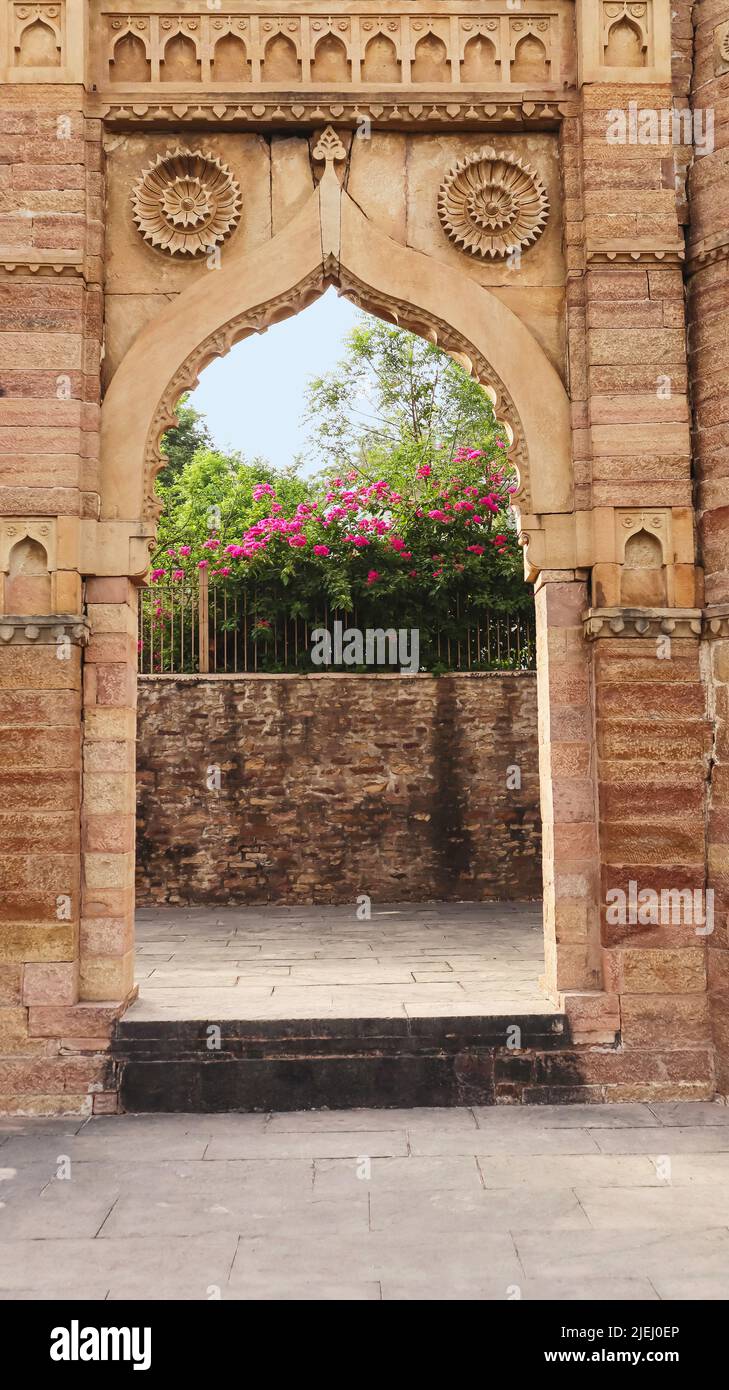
40	792
109	772
567	783
653	741
716	672
708	338
52	1043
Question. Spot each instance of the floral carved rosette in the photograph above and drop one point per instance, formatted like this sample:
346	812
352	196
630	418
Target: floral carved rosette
492	204
186	202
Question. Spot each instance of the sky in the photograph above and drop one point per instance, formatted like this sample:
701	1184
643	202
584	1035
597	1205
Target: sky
254	398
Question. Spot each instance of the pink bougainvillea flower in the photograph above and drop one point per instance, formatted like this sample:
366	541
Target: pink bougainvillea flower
202	564
499	540
412	574
373	576
437	573
476	549
321	550
474	454
211	544
437	514
178	574
424	471
185	549
157	574
297	540
171	552
397	542
263	490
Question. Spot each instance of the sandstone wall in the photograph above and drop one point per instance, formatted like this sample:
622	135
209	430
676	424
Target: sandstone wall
335	785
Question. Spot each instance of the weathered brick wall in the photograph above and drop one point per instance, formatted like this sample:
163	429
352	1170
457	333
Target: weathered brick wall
331	786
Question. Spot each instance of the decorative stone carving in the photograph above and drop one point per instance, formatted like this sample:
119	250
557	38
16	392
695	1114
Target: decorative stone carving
329	146
251	46
721	49
492	204
642	622
237	115
186	202
50	630
715	621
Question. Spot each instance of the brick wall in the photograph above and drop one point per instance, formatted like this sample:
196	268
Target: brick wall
335	785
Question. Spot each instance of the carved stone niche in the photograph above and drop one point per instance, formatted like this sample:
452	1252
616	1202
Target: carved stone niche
43	40
27	566
651	561
624	41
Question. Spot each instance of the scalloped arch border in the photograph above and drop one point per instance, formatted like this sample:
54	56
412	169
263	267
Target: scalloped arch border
289	304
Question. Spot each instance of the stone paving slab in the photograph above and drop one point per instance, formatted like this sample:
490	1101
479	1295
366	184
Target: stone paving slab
464	959
481	1204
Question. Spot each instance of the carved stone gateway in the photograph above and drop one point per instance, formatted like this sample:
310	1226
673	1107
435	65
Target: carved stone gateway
177	177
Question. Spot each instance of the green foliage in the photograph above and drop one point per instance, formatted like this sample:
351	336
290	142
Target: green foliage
393	403
181	443
406	523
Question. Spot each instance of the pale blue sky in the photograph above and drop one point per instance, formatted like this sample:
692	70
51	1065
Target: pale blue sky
254	398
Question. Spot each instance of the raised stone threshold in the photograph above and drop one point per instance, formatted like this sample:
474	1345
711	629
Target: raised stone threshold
337	1064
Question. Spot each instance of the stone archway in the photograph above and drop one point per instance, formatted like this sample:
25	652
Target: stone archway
622	726
331	242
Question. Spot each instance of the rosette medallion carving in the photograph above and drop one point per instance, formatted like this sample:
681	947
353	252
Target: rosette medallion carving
186	203
492	204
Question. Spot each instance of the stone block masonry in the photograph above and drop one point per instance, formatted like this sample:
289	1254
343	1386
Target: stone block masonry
303	789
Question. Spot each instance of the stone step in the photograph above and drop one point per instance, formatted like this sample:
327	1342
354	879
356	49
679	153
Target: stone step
295	1064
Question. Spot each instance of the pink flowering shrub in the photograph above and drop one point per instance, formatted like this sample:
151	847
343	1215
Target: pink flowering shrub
430	553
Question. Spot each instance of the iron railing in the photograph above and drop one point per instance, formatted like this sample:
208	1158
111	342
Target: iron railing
195	626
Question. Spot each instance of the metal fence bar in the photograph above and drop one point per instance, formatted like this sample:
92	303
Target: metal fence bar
205	627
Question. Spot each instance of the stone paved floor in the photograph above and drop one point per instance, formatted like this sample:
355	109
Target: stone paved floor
579	1202
419	961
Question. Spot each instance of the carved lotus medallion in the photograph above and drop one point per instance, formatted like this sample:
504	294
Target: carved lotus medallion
492	204
186	202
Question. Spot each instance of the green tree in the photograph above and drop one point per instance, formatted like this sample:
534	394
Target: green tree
211	494
182	441
393	403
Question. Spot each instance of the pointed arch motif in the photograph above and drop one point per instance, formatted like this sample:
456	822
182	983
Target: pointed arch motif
331	242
